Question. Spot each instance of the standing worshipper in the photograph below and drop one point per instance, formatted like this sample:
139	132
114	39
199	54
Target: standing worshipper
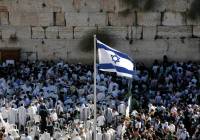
22	116
108	115
43	114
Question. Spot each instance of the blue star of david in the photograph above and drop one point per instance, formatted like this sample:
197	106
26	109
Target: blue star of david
115	58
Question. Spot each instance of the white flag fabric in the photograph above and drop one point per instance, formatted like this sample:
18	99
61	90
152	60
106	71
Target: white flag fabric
112	60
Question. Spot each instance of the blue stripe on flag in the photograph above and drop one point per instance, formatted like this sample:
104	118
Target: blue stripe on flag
118	69
101	46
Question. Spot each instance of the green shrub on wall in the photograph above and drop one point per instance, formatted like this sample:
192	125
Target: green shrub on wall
194	11
87	42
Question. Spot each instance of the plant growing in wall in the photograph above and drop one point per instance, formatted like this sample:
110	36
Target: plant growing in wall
194	11
13	38
87	42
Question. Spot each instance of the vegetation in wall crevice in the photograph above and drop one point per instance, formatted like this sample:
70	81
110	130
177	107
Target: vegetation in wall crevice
194	11
87	42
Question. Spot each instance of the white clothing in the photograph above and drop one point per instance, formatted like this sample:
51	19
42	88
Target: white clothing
22	115
100	120
12	116
76	138
122	108
45	136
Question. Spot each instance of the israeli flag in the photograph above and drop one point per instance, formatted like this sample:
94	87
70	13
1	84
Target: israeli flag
112	60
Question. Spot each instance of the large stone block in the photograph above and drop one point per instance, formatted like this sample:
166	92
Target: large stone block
180	50
4	18
76	19
52	32
59	19
7	32
170	5
38	33
135	32
21	32
119	19
108	5
97	19
65	32
116	32
31	19
32	6
196	31
174	19
149	32
45	19
193	21
90	6
149	18
80	32
174	31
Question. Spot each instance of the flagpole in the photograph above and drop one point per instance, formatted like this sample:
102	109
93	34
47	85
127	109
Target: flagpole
95	98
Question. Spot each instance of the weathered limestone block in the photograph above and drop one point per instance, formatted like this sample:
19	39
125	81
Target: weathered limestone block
122	6
135	32
36	6
149	32
65	32
149	18
180	50
108	5
170	5
90	6
4	18
174	19
174	31
80	32
38	33
52	32
7	32
76	19
97	19
31	19
193	21
60	19
21	32
45	19
116	32
3	7
196	31
118	19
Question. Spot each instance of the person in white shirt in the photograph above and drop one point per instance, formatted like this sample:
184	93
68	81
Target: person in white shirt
22	116
100	120
12	116
122	108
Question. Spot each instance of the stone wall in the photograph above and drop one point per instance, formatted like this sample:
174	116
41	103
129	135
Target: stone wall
53	28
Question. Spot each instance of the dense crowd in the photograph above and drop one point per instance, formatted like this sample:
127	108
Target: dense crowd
54	100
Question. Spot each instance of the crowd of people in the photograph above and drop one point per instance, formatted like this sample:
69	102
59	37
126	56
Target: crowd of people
54	100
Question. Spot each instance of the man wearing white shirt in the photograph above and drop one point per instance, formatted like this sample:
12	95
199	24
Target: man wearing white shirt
32	109
122	108
12	116
22	116
100	120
